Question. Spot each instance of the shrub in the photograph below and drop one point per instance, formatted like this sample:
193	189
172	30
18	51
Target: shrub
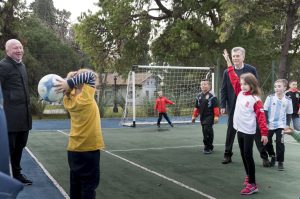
37	106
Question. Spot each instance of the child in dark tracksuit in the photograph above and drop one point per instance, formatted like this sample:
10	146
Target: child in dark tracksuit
207	106
160	106
294	94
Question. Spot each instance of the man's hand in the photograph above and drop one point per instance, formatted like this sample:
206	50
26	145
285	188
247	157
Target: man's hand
264	139
216	120
299	112
227	58
223	110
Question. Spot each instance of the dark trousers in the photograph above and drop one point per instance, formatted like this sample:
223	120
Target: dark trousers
17	142
229	136
280	148
230	140
260	147
246	146
208	136
84	174
165	116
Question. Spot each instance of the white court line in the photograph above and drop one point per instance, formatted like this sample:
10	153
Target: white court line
162	176
159	148
155	173
292	142
62	191
63	132
49	130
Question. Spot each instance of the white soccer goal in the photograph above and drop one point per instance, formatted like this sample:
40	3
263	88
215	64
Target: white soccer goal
179	84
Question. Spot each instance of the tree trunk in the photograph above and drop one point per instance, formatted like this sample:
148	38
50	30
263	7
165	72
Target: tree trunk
287	38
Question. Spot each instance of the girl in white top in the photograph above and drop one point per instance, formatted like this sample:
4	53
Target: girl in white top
248	112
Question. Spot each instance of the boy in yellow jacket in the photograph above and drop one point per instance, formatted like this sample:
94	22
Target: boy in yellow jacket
85	139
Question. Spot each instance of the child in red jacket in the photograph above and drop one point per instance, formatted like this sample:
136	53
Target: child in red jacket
160	106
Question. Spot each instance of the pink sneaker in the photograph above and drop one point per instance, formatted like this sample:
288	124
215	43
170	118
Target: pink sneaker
249	189
246	181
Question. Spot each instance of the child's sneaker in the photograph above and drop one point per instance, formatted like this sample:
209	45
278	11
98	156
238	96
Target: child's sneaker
273	160
207	151
249	189
246	181
266	163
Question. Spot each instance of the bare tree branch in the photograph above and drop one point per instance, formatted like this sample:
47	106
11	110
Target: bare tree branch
163	8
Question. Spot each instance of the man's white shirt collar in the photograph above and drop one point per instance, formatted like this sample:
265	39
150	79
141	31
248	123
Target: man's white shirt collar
239	68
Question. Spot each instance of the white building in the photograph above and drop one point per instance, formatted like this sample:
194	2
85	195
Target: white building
145	87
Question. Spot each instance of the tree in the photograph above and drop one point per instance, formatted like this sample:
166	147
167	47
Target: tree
191	32
8	21
112	38
44	52
45	10
62	26
292	19
274	20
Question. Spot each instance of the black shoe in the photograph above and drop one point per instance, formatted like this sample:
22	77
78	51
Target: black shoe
22	178
158	125
280	166
266	163
226	160
273	160
172	125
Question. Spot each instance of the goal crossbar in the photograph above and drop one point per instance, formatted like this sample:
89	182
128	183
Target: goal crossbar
175	67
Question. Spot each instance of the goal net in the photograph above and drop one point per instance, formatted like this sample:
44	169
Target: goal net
179	84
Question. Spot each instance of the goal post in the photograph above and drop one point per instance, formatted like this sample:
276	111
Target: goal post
179	84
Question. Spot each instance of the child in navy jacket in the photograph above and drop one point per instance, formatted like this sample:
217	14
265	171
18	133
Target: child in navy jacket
207	107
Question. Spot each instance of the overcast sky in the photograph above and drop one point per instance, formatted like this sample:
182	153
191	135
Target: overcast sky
74	6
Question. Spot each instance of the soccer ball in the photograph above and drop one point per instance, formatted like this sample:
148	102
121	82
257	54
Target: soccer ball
161	83
46	88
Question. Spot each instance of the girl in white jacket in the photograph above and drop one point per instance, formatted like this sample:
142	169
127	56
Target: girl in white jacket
248	112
